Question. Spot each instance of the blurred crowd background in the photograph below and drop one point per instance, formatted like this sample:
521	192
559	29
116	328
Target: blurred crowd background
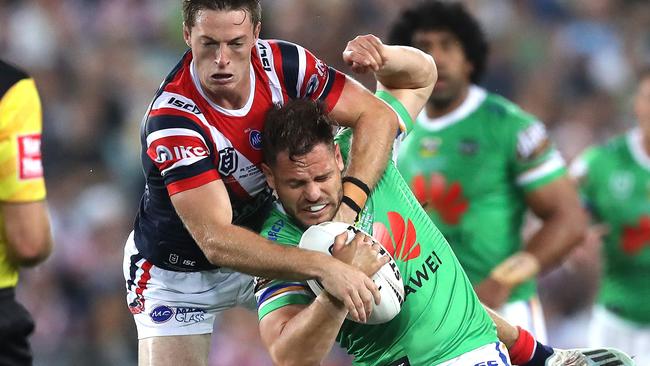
97	64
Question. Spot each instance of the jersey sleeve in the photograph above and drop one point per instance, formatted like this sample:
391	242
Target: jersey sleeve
537	162
21	176
306	76
271	295
180	150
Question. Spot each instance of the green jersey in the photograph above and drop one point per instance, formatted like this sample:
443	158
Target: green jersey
471	169
615	183
441	317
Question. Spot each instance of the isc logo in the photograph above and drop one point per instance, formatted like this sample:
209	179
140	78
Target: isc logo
487	363
184	105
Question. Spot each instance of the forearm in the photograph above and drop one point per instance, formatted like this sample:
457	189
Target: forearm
308	337
557	236
27	232
371	145
245	251
506	332
406	68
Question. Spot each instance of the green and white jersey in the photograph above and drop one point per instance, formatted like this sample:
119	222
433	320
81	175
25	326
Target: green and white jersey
470	170
615	183
441	317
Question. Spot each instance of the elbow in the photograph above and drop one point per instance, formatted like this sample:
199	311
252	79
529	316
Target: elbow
30	252
432	72
283	357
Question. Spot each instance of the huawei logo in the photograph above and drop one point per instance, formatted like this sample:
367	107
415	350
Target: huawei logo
401	240
447	200
635	238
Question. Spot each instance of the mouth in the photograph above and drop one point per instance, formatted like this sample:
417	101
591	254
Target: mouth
222	78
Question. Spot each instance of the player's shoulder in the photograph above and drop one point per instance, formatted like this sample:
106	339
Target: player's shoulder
506	111
280	228
9	76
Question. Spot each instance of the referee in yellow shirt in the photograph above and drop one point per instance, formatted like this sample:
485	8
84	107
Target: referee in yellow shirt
25	238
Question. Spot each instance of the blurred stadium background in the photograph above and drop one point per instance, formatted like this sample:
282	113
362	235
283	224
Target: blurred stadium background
97	64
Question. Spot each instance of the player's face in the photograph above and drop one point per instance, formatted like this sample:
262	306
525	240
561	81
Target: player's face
454	69
221	43
309	187
642	106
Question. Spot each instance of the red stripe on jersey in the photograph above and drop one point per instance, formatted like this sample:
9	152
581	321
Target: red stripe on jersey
336	91
238	189
192	182
144	277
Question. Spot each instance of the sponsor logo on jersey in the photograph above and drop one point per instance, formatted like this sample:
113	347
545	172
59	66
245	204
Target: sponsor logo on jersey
636	237
188	106
189	315
173	258
446	199
227	161
401	242
487	363
163	153
429	146
275	229
321	68
266	64
255	139
312	86
161	314
621	184
532	142
468	147
30	165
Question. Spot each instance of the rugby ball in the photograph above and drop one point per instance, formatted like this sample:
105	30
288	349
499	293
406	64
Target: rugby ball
388	279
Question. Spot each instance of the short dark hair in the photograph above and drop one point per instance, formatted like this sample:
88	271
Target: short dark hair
296	127
191	7
446	16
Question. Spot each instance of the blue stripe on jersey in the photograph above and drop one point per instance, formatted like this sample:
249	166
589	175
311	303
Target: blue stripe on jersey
290	67
331	77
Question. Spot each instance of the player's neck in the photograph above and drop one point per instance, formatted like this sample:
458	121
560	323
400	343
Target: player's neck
436	109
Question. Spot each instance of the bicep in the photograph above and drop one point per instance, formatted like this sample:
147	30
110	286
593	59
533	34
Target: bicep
558	195
203	207
272	325
355	100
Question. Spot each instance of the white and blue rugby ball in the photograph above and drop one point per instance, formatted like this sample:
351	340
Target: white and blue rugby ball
388	279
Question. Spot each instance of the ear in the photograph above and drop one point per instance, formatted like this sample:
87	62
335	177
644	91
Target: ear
187	35
256	30
339	157
268	173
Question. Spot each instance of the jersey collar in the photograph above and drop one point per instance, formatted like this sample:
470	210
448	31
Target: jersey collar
475	97
229	112
635	143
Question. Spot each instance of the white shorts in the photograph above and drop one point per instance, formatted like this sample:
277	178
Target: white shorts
169	303
610	330
493	354
527	314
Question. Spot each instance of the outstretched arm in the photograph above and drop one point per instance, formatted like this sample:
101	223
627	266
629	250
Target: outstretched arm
406	72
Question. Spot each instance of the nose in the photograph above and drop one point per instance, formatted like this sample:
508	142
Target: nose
222	58
312	192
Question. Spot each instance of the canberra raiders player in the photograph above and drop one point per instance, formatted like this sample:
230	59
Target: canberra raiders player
441	318
476	162
294	330
615	183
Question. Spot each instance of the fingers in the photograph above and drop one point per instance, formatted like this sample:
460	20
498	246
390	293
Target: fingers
374	290
339	241
363	53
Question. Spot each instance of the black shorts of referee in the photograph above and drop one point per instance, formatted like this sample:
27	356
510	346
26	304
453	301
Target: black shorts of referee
15	327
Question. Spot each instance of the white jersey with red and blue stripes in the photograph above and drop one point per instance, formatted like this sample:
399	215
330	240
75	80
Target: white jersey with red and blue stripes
188	141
